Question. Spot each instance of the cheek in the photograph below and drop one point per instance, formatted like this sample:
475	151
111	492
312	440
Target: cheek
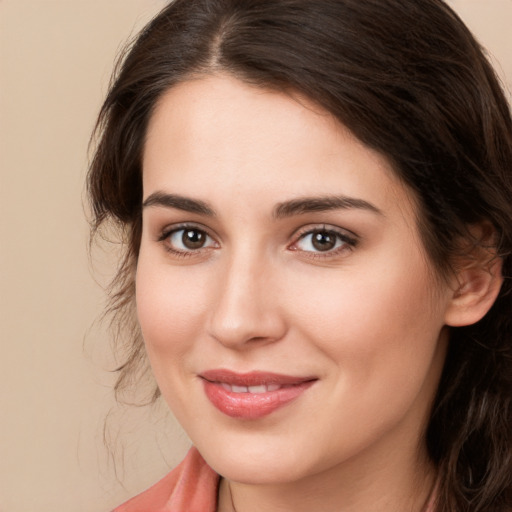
171	315
381	320
169	310
382	339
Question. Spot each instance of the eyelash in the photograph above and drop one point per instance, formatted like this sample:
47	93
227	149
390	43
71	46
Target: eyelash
164	238
348	242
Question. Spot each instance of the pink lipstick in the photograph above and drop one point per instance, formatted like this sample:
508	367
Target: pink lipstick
252	395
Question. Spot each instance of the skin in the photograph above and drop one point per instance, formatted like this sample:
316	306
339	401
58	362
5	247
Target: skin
367	319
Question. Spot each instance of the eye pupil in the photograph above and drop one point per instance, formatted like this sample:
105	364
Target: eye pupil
193	238
323	240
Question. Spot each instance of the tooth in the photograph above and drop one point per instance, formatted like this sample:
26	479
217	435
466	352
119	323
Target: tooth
227	387
239	389
273	387
257	389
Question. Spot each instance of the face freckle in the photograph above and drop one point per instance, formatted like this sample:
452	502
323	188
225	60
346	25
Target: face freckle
254	176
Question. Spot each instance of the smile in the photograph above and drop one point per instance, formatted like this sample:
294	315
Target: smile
263	388
252	395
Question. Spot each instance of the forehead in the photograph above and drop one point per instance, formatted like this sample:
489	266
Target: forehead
223	139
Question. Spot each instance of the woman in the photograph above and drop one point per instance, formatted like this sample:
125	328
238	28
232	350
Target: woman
315	199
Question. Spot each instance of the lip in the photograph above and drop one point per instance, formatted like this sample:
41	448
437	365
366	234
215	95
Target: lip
257	403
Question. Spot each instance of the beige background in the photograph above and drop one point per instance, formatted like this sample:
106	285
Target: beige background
55	61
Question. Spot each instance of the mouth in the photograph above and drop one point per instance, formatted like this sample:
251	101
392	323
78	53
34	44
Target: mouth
252	395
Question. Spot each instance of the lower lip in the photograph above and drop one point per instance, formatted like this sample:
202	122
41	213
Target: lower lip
252	406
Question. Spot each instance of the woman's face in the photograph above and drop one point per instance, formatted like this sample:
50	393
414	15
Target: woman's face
292	319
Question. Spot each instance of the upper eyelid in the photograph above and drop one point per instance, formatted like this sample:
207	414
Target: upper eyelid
311	228
171	228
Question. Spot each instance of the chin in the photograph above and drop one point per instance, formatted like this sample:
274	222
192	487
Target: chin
264	471
257	459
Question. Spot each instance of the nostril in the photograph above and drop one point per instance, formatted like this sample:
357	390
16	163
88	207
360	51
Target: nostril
257	338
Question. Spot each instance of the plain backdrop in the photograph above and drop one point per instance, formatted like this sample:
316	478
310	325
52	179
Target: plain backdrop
55	61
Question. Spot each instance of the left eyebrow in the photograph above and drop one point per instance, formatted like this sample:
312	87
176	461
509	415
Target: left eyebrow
321	204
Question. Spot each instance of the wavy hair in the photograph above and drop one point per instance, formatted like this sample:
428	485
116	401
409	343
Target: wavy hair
409	80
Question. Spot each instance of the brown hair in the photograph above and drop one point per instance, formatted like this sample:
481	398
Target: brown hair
409	80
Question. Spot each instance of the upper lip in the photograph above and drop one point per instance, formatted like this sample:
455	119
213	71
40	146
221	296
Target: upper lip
254	378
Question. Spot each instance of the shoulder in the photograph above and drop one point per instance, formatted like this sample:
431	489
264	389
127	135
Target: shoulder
190	487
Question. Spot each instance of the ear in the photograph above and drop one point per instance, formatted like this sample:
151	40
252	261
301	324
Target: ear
478	280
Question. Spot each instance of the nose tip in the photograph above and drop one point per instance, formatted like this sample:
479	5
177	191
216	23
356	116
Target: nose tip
246	311
235	334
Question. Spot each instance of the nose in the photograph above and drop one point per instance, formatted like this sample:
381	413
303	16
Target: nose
246	310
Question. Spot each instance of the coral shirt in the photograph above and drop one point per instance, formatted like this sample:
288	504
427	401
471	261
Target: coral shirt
190	487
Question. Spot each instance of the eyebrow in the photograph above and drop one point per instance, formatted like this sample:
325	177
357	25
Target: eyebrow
179	202
321	204
285	209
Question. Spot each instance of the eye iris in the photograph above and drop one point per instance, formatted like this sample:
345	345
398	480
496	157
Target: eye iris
193	239
323	240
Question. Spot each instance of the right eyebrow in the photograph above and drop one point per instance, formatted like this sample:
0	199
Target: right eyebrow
178	202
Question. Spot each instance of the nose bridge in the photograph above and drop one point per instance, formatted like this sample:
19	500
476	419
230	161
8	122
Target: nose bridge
245	306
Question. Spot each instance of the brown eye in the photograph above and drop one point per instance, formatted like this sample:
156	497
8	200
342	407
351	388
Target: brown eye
323	240
193	238
189	239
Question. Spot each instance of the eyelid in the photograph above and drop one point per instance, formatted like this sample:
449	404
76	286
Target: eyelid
311	228
349	239
173	228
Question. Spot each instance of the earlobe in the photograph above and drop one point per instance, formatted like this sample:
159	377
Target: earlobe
478	286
